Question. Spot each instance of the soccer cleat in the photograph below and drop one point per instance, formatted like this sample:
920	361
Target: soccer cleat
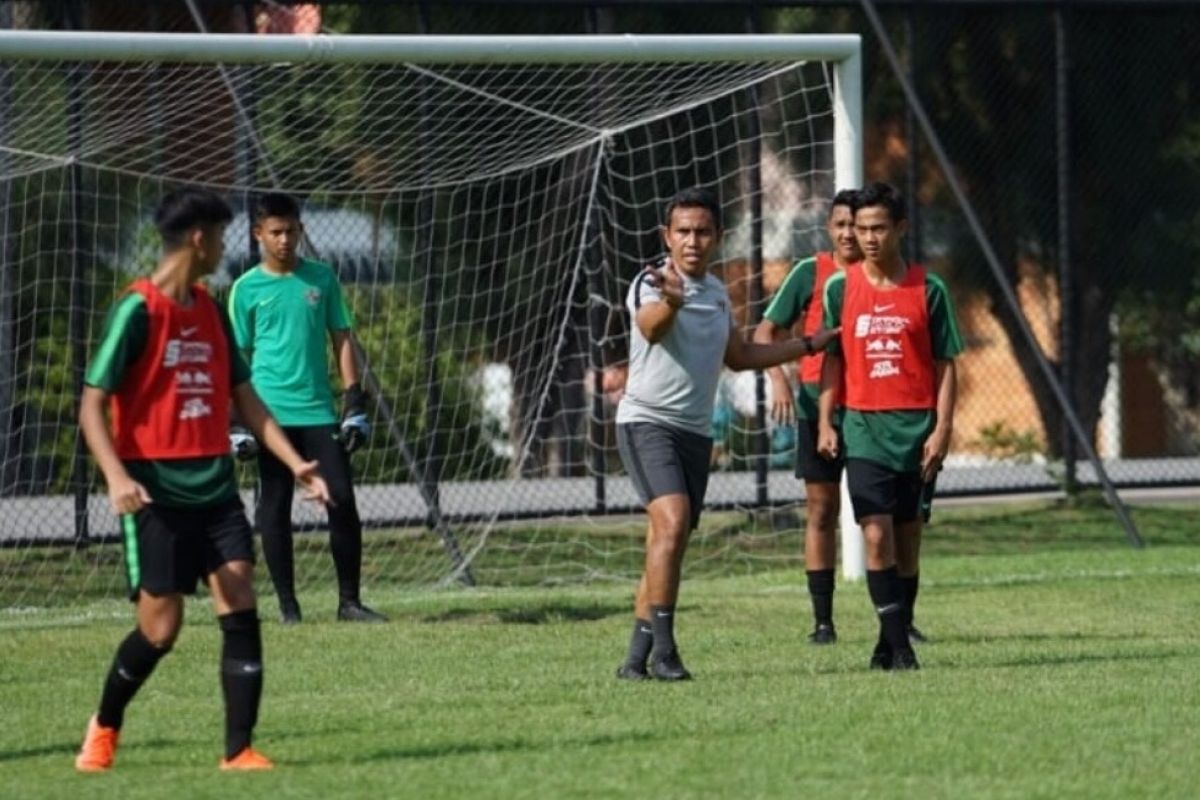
823	634
99	748
881	657
915	635
904	659
669	667
247	760
354	611
633	672
289	612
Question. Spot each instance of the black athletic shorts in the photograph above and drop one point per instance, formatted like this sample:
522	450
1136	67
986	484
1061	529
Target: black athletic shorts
168	550
877	490
810	466
662	460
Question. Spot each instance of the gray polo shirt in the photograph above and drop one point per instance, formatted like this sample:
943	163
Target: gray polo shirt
674	381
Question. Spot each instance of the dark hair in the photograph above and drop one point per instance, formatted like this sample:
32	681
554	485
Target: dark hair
694	198
881	194
846	197
186	208
276	204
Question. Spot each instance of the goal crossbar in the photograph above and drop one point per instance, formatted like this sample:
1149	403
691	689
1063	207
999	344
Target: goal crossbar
244	49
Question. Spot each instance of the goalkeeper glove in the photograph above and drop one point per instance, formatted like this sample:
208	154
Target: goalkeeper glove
355	426
242	443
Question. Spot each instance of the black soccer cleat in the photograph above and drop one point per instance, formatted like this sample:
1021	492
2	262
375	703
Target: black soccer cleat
289	612
881	657
823	634
903	660
633	672
354	611
669	667
915	635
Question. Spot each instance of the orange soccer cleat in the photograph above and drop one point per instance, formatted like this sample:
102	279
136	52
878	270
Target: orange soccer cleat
247	759
99	748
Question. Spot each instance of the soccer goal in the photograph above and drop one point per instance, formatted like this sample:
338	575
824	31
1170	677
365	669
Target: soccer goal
485	201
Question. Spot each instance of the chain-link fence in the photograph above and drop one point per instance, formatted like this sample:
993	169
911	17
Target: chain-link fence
1074	130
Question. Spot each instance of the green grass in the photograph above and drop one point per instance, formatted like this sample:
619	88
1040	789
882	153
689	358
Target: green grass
1064	665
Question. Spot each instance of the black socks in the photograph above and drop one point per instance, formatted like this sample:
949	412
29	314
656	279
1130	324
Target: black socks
640	642
820	589
135	660
662	622
884	588
241	677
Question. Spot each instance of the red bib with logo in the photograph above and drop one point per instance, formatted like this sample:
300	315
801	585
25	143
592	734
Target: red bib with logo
809	368
174	399
887	345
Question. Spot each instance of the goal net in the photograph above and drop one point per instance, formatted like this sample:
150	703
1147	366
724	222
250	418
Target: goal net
485	203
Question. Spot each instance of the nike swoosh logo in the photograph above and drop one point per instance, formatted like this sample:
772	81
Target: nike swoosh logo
188	331
881	309
266	302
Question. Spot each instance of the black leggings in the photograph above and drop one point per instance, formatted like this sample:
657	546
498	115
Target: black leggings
273	516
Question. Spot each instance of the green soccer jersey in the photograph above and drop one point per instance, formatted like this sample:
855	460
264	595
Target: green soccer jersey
282	323
788	306
176	483
895	438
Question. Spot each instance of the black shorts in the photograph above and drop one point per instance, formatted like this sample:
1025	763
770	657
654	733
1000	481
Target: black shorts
878	490
810	465
168	550
662	460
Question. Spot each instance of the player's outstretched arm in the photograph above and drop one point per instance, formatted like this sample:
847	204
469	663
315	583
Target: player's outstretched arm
256	417
938	444
783	409
124	493
831	376
740	354
656	316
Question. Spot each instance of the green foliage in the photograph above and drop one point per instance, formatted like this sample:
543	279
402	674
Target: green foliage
390	332
1000	440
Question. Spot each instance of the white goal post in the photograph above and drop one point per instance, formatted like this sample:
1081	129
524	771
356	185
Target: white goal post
484	119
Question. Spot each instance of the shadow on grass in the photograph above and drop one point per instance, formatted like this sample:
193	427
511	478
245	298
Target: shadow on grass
521	745
543	614
72	747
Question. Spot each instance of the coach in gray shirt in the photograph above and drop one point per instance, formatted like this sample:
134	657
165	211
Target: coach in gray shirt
683	332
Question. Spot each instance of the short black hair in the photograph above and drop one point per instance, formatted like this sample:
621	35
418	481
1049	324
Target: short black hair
695	197
186	208
276	204
846	197
882	194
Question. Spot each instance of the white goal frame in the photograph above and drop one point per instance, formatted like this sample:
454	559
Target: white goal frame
842	51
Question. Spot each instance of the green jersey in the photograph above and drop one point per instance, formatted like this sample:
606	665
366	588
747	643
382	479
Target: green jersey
895	438
793	302
177	483
282	322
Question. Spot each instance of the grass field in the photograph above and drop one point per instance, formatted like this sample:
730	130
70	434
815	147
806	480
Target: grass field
1063	664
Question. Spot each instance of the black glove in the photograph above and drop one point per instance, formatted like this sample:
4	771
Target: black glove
356	428
242	443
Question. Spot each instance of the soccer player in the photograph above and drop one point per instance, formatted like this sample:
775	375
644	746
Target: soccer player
800	298
895	358
683	332
168	365
282	310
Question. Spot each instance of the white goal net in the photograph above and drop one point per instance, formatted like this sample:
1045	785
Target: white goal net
485	203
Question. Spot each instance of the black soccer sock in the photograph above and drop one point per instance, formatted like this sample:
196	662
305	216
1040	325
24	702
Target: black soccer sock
278	551
884	588
662	622
820	589
134	661
241	677
909	585
640	643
